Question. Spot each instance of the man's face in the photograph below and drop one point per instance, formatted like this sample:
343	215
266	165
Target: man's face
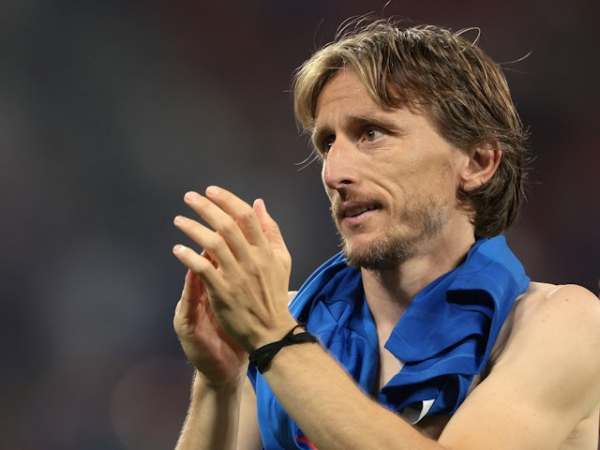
390	177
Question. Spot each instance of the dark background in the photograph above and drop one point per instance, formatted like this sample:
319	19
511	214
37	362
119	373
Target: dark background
111	110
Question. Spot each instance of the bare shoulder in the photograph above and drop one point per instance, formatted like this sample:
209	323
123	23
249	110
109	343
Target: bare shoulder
540	291
567	306
560	314
541	389
564	306
557	328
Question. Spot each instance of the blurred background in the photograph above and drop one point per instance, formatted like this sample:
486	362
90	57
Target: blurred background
111	110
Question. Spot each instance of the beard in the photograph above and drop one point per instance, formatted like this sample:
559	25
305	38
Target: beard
398	243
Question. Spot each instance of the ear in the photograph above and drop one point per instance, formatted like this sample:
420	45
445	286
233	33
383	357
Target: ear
481	166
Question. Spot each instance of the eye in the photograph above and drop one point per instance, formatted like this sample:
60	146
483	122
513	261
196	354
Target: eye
372	134
326	143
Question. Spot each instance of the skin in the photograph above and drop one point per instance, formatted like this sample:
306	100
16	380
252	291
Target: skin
528	401
408	168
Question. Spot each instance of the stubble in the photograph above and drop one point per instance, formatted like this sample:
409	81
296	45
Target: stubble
399	242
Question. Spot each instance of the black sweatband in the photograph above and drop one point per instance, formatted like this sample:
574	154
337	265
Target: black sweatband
261	357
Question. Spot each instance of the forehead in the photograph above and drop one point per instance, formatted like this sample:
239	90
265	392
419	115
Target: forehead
343	89
344	100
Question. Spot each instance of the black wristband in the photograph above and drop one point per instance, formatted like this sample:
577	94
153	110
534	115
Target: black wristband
262	356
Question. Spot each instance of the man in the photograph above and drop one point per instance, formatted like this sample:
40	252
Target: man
430	334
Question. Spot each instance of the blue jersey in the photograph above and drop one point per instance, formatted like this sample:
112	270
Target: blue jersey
443	339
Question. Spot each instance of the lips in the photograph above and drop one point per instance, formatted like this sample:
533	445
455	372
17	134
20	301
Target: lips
356	208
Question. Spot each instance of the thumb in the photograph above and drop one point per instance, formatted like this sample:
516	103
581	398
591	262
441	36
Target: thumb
268	225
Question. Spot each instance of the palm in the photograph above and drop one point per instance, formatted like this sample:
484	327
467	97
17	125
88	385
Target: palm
205	344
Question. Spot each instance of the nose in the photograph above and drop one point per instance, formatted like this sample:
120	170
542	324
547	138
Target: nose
340	166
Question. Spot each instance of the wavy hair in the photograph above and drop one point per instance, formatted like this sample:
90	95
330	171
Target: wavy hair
449	78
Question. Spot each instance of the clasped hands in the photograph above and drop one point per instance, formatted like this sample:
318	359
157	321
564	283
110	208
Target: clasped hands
241	279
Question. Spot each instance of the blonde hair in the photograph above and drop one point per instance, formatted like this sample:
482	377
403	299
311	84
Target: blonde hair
439	72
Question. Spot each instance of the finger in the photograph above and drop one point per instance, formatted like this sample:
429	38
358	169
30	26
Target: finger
242	213
201	266
213	243
268	224
192	289
221	222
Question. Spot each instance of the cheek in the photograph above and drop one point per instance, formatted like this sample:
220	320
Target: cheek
443	185
448	175
424	180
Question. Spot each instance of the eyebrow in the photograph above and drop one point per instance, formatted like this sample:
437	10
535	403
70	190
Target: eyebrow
355	121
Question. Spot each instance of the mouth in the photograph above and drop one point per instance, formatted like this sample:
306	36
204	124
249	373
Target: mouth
354	213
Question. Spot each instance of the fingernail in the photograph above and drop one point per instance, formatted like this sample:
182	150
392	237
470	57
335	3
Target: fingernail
191	196
178	220
212	190
178	249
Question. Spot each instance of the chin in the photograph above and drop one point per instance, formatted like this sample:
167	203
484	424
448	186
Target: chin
378	254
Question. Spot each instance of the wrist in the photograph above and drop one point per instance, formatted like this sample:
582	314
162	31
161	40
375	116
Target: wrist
274	334
203	383
261	357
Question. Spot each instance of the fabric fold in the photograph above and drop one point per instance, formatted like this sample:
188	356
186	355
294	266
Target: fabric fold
444	338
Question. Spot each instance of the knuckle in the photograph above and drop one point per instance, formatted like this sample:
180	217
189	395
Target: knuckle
227	228
285	260
254	270
287	257
231	289
214	242
246	216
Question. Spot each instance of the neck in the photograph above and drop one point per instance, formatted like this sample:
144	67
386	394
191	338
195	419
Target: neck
389	292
